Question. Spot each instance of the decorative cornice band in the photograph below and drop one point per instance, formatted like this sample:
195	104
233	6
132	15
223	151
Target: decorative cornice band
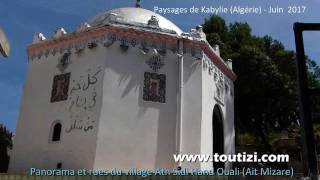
218	61
97	33
100	34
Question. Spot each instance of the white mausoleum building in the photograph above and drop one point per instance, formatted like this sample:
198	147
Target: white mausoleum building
127	89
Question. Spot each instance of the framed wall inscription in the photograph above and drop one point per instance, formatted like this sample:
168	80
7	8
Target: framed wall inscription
60	87
154	87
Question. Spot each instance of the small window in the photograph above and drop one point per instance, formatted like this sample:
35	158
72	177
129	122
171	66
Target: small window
59	165
56	134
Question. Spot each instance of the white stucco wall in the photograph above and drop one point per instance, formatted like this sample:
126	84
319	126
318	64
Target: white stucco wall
32	146
126	130
208	103
191	120
133	132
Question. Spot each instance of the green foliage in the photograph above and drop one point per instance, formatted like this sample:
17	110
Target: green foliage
5	143
273	136
266	87
247	139
316	129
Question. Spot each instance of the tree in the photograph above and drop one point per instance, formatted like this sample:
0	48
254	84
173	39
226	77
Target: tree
266	87
5	143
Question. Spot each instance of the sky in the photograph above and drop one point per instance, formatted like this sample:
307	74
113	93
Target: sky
21	19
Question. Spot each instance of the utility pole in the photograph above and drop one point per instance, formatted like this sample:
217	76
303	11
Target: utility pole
304	92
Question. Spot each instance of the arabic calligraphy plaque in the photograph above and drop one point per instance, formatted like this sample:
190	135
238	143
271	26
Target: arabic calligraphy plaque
154	87
60	87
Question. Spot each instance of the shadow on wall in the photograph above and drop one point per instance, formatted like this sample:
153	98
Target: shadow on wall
134	80
230	129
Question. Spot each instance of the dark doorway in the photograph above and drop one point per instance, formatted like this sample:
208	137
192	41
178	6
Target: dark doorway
218	135
56	132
